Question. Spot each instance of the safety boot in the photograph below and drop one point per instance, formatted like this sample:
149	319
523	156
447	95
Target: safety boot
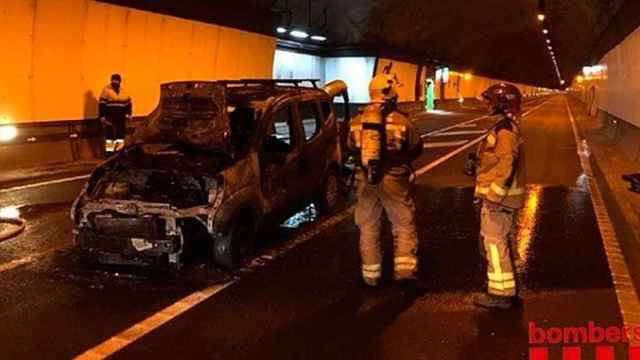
491	301
372	282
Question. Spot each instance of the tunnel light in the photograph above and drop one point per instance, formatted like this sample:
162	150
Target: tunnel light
318	38
562	82
548	41
299	34
541	17
467	76
545	31
10	212
8	132
550	47
281	30
580	78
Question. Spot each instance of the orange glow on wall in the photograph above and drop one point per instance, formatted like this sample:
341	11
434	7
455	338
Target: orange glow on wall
61	53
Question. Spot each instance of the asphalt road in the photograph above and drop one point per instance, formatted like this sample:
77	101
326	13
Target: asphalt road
302	297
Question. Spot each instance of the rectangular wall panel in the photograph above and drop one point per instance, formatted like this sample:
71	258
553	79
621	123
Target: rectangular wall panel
59	54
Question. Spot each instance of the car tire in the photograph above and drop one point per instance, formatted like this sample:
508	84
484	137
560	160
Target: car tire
237	244
330	196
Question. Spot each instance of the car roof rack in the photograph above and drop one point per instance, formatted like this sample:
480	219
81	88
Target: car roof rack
269	82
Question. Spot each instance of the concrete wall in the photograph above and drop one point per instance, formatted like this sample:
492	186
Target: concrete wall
58	54
617	91
468	85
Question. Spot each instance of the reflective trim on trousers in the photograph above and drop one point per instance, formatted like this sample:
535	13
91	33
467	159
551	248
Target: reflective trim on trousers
109	145
500	277
504	192
502	285
405	263
371	271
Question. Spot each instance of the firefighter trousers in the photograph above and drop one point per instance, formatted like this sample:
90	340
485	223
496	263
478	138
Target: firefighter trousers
394	196
495	227
114	133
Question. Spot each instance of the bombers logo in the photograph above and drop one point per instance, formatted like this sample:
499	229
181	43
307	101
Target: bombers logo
573	340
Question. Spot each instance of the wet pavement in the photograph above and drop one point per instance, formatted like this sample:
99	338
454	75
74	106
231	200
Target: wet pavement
306	300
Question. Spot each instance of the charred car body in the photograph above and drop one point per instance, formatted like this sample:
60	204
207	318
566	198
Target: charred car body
215	162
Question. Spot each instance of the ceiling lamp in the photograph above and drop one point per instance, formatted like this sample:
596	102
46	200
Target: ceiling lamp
281	30
299	34
318	38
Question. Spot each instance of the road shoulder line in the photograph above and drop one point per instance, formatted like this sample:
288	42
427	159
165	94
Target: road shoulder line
625	291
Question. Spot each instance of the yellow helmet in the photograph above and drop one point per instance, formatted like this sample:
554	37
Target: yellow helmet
382	88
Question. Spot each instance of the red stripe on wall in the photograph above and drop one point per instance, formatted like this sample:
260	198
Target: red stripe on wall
571	353
539	354
634	353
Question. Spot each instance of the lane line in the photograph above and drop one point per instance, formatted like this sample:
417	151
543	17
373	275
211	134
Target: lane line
468	123
156	320
452	154
464	123
432	145
462	132
45	183
140	329
622	282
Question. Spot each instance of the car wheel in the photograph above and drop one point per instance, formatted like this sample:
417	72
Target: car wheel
237	243
330	194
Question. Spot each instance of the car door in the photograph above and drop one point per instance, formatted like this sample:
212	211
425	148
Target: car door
316	145
280	160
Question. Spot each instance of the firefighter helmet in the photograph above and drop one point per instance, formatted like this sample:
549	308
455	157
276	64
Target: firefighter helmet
503	99
382	88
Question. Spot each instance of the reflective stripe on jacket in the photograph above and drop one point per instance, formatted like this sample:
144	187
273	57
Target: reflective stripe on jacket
114	104
500	173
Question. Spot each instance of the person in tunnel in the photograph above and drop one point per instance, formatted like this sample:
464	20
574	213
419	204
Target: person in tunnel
385	142
114	110
500	181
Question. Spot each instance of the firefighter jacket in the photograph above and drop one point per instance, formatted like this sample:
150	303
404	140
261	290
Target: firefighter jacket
401	142
114	105
500	173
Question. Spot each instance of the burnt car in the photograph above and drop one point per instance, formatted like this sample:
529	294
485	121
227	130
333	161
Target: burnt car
215	164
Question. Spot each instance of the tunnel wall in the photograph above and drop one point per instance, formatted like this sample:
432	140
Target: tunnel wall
619	91
470	86
613	95
407	76
60	53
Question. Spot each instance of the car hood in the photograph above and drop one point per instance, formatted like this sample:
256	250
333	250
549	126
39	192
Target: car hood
158	173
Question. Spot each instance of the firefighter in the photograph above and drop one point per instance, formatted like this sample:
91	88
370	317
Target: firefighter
114	111
385	142
500	181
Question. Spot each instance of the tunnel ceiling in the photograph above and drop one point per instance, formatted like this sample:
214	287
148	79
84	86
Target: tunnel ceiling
498	38
493	37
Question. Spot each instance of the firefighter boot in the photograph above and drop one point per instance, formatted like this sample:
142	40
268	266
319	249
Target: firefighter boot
491	301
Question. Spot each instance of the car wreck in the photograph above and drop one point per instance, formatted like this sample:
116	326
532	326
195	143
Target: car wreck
214	164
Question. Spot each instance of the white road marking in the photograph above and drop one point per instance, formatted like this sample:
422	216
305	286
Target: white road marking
431	145
144	327
44	183
622	282
462	132
465	123
137	331
452	154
